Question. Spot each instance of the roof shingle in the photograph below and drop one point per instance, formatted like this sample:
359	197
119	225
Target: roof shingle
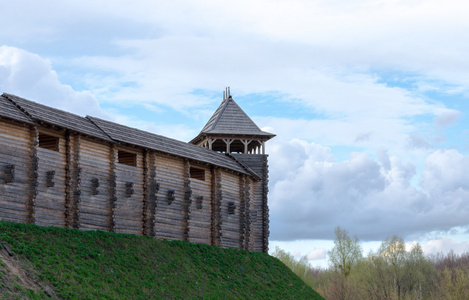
9	110
20	109
57	117
229	118
133	136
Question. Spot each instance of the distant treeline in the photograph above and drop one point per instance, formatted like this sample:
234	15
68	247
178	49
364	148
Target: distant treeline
392	272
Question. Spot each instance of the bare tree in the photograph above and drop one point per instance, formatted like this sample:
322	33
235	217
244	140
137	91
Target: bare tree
347	252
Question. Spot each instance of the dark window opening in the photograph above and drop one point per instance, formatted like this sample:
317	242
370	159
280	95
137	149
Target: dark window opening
231	208
197	173
94	186
171	197
50	178
9	173
199	200
127	158
48	142
129	189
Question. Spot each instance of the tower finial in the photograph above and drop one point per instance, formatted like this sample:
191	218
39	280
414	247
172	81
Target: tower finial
229	95
224	97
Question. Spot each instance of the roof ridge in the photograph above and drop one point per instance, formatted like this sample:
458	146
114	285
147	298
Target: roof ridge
220	113
39	113
247	168
7	96
88	117
43	105
246	115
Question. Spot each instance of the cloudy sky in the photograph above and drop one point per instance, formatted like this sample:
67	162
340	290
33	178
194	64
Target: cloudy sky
369	98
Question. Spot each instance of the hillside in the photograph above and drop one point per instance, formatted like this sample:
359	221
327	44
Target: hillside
38	263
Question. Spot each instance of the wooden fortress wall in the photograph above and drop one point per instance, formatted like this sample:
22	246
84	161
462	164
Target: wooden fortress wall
81	184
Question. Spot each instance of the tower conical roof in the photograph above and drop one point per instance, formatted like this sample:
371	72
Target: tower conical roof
230	119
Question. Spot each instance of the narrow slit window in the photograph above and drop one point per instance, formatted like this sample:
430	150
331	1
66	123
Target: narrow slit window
127	158
197	173
231	208
48	142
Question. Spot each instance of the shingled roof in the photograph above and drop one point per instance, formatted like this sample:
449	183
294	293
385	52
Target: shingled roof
53	116
253	162
230	119
26	111
133	136
10	111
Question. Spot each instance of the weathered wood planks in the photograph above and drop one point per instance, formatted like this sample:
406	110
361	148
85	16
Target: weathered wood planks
81	184
14	172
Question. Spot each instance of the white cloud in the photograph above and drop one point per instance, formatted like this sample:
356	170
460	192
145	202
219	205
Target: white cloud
328	55
317	254
445	245
447	118
176	131
415	141
315	194
446	176
31	76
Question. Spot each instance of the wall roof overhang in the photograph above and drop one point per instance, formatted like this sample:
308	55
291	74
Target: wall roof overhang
30	112
42	113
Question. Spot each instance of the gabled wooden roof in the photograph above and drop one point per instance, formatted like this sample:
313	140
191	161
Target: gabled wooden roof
53	116
26	111
10	111
230	119
133	136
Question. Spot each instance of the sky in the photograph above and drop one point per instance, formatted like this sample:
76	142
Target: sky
369	100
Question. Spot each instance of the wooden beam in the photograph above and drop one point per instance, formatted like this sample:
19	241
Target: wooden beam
112	187
246	144
187	200
33	175
228	143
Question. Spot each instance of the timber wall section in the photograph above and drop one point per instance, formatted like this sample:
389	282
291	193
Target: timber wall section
82	185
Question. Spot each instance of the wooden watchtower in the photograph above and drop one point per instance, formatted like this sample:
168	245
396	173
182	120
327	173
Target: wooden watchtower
230	130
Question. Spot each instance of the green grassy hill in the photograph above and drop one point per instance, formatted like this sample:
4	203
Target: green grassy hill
38	263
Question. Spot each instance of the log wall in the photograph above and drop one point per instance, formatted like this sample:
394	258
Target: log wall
50	199
81	184
14	172
200	209
95	208
255	241
128	213
230	210
169	216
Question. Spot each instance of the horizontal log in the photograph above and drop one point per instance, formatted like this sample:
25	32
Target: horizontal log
19	154
14	193
89	227
49	222
12	211
169	221
14	135
84	210
94	223
12	218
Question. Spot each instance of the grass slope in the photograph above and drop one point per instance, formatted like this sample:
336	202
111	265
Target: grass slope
97	264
